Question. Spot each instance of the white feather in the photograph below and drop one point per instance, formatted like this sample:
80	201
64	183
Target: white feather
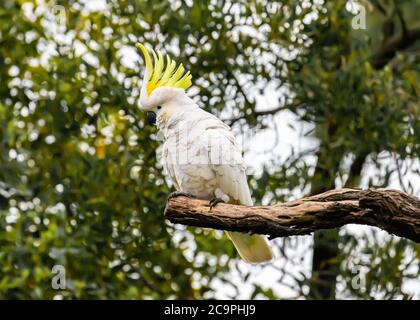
202	158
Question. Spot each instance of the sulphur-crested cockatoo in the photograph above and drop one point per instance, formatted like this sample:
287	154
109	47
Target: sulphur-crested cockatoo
200	153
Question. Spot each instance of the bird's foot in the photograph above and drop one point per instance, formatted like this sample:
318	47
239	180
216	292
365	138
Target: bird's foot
214	202
180	194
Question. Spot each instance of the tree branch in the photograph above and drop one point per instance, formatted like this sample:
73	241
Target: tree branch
265	112
391	210
390	48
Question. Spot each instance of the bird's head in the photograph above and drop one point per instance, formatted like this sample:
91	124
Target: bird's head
163	83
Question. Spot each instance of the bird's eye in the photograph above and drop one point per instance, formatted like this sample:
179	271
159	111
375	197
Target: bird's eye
159	107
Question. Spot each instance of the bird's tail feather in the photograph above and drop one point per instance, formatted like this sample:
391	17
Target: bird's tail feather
252	248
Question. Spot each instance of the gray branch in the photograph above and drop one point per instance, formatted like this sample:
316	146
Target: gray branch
393	211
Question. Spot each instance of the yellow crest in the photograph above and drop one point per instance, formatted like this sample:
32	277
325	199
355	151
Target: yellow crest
160	75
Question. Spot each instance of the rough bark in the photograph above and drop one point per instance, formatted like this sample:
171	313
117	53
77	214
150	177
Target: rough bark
391	210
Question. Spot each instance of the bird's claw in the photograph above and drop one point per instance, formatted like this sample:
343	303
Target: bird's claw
214	202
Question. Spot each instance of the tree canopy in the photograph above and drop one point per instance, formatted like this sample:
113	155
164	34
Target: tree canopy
80	183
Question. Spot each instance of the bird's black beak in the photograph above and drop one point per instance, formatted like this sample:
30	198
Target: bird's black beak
151	118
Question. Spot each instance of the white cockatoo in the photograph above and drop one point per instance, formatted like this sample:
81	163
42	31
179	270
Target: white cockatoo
200	153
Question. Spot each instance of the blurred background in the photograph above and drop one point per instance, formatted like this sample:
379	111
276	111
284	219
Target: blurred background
322	94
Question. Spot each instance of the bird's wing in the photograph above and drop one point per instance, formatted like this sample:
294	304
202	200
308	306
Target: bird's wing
230	171
227	162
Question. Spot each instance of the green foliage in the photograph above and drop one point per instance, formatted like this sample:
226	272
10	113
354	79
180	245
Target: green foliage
80	184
